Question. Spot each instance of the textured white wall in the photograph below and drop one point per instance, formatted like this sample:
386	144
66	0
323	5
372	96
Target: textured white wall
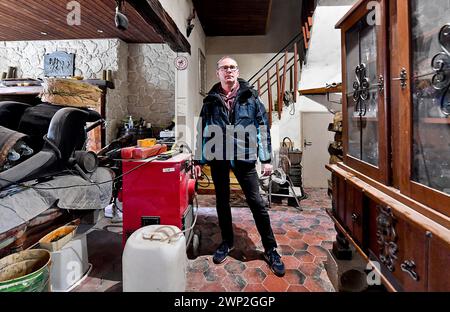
144	74
151	83
92	56
187	97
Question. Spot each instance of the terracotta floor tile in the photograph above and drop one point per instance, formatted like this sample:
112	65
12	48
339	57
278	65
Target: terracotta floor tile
301	236
282	239
255	288
234	283
275	284
318	251
195	281
304	256
299	245
255	263
212	287
234	267
310	269
285	250
294	235
297	288
294	277
254	275
290	262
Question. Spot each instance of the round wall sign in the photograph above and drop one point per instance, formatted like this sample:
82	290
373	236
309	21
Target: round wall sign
181	62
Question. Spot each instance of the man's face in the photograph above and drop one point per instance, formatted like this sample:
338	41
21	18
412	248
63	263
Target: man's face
228	71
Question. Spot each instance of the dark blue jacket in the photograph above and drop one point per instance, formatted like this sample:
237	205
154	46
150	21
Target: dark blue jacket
245	129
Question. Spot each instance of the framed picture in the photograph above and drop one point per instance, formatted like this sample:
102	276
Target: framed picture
202	72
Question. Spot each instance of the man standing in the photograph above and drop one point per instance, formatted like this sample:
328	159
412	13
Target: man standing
234	132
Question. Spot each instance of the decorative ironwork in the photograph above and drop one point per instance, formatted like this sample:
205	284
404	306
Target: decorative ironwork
408	266
441	68
361	89
387	237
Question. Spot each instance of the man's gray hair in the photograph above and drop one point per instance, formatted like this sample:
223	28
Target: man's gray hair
225	57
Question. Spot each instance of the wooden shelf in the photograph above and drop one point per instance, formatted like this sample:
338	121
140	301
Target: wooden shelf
35	90
442	121
319	91
32	90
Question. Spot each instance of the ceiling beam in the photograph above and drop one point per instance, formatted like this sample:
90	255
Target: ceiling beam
154	14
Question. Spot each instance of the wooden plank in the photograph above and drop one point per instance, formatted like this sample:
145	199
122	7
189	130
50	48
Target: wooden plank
295	89
259	87
47	20
279	105
269	95
283	84
323	90
305	39
308	33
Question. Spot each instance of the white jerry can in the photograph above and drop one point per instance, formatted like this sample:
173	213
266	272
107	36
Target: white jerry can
154	260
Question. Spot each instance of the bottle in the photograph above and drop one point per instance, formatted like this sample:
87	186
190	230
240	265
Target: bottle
130	122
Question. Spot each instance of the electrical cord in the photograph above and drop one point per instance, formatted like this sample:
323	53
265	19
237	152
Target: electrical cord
149	160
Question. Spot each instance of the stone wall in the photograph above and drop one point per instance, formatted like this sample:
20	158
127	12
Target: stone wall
144	74
151	83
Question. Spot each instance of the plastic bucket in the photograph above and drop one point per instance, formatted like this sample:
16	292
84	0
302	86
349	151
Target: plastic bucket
25	271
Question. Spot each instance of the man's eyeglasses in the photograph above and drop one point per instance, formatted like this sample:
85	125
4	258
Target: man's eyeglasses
225	68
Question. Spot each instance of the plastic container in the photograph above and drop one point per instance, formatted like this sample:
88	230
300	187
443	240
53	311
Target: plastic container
25	271
150	264
56	239
69	264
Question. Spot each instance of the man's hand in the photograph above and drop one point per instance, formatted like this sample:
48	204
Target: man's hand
267	169
198	171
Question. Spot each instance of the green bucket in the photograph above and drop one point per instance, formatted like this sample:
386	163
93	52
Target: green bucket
25	271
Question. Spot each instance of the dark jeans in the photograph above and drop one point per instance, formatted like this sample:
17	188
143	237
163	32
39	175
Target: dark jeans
248	180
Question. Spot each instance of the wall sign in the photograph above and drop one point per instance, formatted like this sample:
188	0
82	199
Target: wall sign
59	64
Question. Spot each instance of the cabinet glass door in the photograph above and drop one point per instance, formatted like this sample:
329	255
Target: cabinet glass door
364	95
430	93
429	97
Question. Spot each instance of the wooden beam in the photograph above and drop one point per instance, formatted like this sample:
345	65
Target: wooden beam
269	95
283	84
295	72
323	90
308	33
278	90
305	39
259	87
154	14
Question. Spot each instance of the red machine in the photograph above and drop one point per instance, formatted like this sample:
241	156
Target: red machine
159	192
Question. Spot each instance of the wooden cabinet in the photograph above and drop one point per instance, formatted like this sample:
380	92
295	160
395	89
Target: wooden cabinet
393	188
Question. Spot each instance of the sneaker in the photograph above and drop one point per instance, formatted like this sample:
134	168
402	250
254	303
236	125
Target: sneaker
274	260
222	252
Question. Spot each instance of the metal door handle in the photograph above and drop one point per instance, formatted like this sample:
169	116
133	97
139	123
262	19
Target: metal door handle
307	143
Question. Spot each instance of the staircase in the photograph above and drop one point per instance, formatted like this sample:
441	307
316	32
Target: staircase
272	78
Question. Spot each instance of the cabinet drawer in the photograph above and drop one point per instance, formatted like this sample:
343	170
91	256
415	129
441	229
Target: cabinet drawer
438	270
